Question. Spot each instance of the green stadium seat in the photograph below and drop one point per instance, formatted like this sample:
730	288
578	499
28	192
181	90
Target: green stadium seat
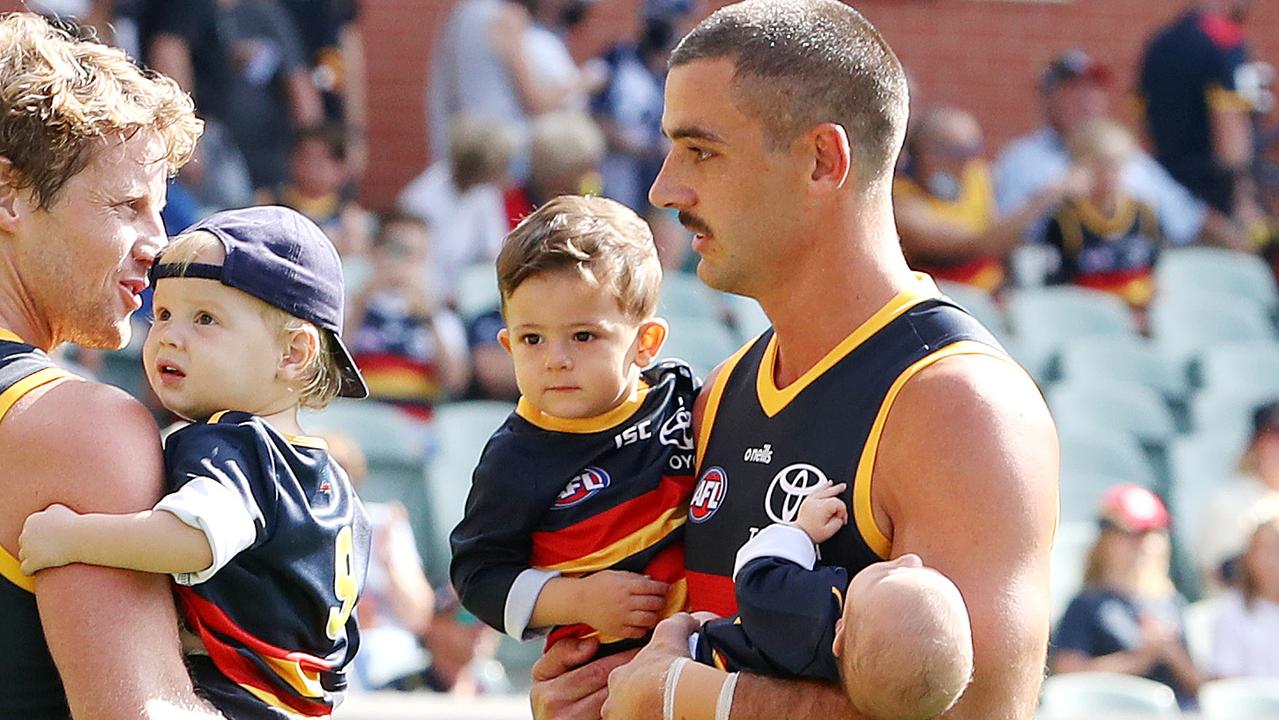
1069	558
1253	363
1105	404
685	296
1196	269
701	342
477	291
1123	358
1046	320
1240	699
1105	453
1185	324
1099	695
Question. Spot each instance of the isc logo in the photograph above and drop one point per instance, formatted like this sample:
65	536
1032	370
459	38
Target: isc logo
708	495
580	488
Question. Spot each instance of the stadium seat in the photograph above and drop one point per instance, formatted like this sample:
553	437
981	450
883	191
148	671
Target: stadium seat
1110	405
1183	325
1200	618
461	430
1196	269
477	291
701	342
1254	363
979	304
1099	695
1047	320
1240	699
1198	465
1099	452
1122	358
355	273
1227	409
1066	565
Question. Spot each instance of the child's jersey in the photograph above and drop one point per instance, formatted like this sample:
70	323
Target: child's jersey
553	496
290	544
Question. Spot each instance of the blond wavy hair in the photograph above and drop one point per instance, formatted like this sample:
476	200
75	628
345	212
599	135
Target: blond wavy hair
60	95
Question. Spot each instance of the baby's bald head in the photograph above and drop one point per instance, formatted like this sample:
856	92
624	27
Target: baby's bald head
906	648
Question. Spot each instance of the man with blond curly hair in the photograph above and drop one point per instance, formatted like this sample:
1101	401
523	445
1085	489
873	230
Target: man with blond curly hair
88	142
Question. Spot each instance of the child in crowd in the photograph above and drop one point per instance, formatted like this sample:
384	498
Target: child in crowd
577	507
261	530
318	175
1106	239
897	637
411	348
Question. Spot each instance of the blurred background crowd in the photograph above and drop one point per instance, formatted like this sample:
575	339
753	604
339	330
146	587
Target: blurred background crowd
1098	181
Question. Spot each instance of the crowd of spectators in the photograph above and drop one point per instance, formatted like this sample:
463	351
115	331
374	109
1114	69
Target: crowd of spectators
514	120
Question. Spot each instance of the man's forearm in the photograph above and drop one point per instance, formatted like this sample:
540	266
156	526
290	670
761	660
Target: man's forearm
764	698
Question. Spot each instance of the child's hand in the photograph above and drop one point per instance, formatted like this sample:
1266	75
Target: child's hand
622	604
823	512
43	543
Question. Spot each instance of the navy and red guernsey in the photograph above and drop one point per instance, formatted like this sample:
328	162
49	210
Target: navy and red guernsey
290	543
555	496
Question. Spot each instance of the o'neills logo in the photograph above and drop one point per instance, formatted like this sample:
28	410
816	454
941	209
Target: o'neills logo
580	488
708	495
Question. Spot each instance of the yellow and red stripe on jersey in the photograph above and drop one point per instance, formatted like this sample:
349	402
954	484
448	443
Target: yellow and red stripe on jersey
410	384
294	685
1136	286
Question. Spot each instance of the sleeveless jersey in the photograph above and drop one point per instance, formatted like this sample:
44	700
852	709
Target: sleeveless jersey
29	684
580	496
761	450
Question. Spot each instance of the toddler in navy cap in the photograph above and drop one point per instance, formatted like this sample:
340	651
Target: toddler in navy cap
261	530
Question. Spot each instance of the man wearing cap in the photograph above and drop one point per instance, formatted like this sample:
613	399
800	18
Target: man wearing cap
1128	618
87	143
1074	90
261	530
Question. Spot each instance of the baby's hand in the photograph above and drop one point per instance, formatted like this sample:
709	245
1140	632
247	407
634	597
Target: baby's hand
823	512
44	540
622	604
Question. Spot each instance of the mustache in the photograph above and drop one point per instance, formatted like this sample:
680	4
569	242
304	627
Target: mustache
693	223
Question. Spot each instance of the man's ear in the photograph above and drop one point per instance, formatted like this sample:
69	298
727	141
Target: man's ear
504	339
13	201
299	353
649	341
832	157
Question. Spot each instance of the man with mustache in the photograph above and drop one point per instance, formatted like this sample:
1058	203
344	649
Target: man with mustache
786	119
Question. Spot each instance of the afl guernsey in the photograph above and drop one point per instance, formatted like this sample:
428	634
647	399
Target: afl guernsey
555	496
761	449
290	544
29	682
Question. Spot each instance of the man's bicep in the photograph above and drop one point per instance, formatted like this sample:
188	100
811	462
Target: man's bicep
112	633
968	475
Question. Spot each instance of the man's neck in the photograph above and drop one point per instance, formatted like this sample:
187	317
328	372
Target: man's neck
842	282
17	311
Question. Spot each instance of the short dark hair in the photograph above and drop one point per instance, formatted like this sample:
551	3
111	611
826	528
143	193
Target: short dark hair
800	63
603	240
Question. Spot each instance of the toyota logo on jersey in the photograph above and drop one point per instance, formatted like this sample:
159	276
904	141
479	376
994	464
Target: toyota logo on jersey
788	490
708	495
580	488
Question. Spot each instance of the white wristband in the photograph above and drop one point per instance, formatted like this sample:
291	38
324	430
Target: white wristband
672	682
724	706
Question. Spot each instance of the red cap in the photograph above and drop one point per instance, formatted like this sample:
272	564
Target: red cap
1133	509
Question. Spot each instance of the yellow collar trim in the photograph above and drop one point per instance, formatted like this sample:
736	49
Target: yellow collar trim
773	399
9	336
1093	219
607	420
304	440
11	570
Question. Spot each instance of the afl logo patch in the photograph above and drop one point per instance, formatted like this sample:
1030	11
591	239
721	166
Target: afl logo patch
708	495
788	490
581	488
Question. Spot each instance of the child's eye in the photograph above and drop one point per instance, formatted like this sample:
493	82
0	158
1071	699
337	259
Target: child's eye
203	318
583	336
162	314
531	339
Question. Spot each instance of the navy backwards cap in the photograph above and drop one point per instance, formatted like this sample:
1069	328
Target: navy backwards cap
280	257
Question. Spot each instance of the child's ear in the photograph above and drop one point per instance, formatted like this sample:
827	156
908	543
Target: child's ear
299	352
649	341
504	339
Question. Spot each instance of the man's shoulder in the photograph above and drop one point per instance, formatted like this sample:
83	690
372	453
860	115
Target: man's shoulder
75	408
